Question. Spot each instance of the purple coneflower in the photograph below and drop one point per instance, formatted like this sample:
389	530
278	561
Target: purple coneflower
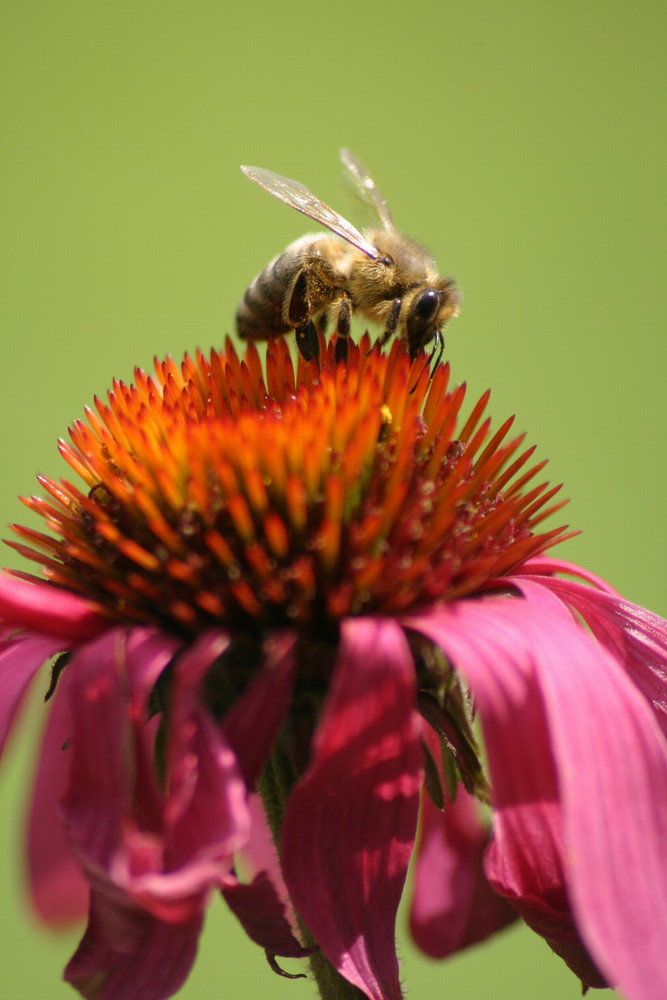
306	588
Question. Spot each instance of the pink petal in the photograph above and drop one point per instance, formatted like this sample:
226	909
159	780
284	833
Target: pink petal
259	855
98	796
453	905
48	610
544	565
610	764
21	656
162	853
636	637
58	889
350	823
144	960
619	763
253	723
207	796
263	916
216	822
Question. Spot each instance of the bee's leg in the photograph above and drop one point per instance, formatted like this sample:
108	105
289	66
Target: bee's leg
307	340
312	290
296	310
392	323
343	329
297	313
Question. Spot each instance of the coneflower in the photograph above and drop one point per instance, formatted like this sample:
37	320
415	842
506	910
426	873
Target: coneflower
305	586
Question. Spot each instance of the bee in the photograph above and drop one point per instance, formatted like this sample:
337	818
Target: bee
380	274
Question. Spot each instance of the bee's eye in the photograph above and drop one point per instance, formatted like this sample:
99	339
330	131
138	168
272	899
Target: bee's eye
387	261
426	305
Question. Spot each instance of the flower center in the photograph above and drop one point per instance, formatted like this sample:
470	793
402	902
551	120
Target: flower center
234	493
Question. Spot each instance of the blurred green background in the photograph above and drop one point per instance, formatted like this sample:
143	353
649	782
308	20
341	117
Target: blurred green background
523	143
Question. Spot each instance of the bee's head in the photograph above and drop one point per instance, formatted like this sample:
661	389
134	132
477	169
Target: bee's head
428	312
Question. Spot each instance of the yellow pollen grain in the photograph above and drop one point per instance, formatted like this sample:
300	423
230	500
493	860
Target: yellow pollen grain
396	395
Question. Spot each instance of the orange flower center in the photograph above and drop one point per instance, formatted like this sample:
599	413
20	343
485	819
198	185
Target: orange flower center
234	493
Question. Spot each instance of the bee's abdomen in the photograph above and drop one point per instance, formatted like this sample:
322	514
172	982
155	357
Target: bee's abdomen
260	311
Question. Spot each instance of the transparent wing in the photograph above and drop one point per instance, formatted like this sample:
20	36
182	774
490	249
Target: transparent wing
303	200
367	188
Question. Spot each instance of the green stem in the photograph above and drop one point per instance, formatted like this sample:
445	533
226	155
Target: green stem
275	785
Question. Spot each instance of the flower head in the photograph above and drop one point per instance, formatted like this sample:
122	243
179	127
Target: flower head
218	495
307	584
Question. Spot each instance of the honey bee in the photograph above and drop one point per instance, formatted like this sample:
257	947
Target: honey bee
385	277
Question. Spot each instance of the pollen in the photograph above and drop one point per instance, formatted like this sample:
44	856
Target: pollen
234	491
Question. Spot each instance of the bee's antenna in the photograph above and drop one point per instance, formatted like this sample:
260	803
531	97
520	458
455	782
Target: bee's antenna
439	348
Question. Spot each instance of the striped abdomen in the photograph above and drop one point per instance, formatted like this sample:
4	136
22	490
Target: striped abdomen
261	311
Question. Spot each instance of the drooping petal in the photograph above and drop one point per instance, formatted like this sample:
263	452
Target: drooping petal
529	657
619	883
350	823
142	959
207	812
635	636
163	850
262	906
21	656
126	952
524	861
100	788
453	905
58	888
545	565
253	723
48	610
151	853
263	915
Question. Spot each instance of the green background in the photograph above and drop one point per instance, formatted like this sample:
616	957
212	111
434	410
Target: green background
523	143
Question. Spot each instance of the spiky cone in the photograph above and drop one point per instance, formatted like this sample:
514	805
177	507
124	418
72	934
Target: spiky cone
307	583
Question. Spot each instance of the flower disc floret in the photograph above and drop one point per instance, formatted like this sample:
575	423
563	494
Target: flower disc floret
228	491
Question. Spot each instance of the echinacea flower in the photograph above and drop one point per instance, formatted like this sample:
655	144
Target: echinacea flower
308	585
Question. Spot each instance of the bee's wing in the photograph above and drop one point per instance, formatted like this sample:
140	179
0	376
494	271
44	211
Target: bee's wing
367	188
303	200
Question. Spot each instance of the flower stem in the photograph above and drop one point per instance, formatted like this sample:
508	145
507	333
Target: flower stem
275	785
330	983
